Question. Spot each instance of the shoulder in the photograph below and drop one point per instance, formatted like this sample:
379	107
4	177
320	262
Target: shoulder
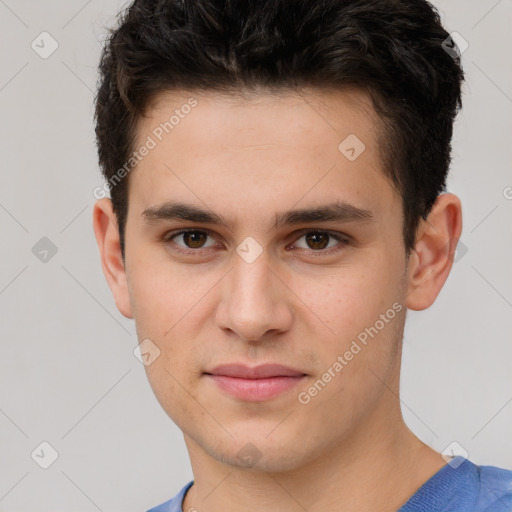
174	504
495	489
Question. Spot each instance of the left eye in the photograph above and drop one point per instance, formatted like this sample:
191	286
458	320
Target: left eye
318	240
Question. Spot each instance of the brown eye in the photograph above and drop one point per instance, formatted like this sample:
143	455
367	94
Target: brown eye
194	239
317	240
320	242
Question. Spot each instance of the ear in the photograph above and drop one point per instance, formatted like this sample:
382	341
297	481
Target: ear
431	259
107	236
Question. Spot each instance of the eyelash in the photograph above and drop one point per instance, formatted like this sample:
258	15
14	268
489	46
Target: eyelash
321	252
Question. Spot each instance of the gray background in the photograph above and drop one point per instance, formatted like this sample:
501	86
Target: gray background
68	375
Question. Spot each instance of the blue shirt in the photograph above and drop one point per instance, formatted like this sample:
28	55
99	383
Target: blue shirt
459	486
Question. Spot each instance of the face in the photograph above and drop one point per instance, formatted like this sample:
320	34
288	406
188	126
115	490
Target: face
323	295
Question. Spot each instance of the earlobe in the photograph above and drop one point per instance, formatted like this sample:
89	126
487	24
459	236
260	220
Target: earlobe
107	236
431	260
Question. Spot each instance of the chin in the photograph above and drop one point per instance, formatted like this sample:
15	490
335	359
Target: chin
259	453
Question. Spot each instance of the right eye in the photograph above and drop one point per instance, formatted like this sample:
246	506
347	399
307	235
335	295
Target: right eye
193	240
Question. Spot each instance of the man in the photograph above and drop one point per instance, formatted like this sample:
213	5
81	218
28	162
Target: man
277	174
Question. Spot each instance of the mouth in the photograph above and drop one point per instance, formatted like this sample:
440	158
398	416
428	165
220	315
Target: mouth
255	384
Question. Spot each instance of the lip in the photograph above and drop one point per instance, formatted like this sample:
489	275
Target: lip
256	383
242	371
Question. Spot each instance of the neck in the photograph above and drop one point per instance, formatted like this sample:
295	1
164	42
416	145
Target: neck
376	468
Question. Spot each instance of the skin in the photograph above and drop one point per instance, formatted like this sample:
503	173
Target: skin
249	158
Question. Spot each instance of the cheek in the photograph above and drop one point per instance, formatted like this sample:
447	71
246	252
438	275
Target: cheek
351	298
362	310
165	300
162	294
176	393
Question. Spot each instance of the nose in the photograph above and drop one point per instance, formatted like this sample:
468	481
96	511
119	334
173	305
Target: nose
255	301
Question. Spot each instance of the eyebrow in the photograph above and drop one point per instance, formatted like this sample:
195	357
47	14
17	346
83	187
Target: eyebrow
339	211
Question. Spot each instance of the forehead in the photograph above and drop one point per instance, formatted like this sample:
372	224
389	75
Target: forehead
326	105
283	146
250	118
